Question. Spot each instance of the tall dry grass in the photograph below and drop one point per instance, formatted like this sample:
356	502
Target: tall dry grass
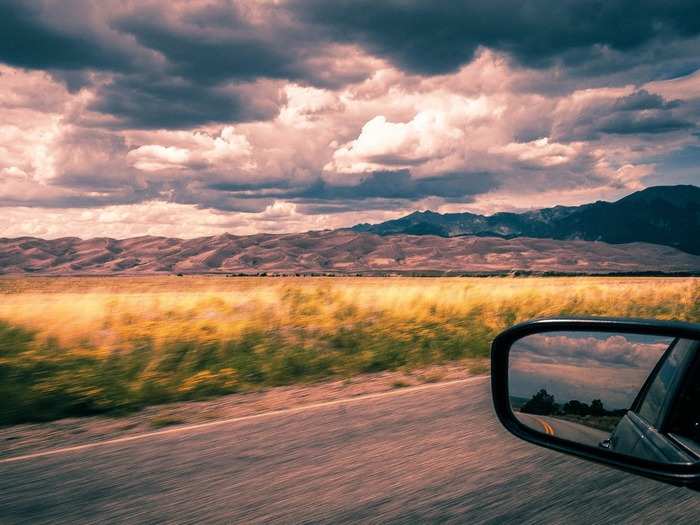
73	346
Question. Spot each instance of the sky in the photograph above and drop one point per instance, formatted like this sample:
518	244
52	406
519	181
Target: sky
584	366
160	117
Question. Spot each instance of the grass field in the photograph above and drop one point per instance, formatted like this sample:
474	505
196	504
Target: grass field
77	346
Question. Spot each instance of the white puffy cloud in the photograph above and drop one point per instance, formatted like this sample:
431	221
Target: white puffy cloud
539	153
31	108
307	105
630	175
153	157
392	145
443	130
183	150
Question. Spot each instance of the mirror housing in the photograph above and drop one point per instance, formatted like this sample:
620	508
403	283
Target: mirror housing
682	474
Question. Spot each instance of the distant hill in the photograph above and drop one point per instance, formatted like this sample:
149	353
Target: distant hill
337	252
666	215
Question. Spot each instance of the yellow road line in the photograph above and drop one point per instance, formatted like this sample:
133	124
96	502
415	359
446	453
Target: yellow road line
551	430
547	427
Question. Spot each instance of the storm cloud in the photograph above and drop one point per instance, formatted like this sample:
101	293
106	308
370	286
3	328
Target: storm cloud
639	112
439	37
35	37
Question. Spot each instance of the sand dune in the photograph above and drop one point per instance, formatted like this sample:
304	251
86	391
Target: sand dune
340	251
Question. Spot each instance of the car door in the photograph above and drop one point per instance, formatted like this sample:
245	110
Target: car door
642	431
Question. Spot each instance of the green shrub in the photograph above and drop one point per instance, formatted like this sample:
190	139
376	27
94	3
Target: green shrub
180	347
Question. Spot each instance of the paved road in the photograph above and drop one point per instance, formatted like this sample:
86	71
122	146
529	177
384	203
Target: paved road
429	456
564	429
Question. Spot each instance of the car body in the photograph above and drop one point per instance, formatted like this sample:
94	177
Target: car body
659	436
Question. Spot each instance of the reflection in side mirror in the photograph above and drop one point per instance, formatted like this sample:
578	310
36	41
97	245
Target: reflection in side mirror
622	392
587	387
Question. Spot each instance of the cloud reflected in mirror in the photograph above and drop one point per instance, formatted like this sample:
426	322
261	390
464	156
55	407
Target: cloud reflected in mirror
579	385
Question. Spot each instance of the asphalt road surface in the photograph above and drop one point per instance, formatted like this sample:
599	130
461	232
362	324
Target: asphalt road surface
564	429
433	455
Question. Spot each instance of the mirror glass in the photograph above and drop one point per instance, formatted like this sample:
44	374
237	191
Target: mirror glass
632	394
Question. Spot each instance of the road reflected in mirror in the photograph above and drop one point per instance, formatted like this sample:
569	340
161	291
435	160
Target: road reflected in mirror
621	392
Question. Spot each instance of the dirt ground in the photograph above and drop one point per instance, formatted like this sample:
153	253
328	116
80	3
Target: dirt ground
36	437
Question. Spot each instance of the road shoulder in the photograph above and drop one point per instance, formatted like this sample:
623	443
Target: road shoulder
28	439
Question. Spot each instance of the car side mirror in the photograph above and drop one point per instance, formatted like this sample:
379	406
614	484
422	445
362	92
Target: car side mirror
622	392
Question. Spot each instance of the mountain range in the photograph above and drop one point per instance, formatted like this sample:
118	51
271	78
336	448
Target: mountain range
654	230
667	215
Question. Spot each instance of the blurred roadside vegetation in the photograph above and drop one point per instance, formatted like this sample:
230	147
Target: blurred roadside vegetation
81	346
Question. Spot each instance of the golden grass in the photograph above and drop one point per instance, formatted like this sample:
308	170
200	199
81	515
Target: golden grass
84	345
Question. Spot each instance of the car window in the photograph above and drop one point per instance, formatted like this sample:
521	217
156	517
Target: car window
684	421
654	406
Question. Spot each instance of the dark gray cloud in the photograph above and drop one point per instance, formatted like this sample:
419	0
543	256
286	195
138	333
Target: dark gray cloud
440	36
643	112
400	185
172	64
153	101
215	42
592	349
640	113
229	48
221	43
31	39
76	192
379	190
642	100
172	68
650	122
